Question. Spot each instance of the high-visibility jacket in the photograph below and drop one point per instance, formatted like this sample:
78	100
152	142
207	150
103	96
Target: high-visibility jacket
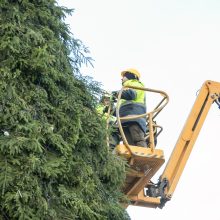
133	102
101	111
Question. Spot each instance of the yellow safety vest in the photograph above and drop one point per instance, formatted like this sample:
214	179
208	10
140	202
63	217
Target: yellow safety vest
140	98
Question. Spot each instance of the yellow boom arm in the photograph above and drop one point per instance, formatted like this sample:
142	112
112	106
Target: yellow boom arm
209	93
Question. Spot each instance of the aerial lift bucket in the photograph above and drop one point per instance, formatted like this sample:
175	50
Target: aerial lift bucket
143	163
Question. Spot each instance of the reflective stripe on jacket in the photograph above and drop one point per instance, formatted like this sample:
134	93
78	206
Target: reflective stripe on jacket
133	103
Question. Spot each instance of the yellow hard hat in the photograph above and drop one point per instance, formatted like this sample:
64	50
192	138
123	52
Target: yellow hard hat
133	71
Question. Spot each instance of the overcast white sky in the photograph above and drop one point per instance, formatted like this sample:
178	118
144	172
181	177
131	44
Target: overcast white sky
175	45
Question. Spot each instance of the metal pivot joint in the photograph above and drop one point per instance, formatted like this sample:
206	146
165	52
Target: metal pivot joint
158	190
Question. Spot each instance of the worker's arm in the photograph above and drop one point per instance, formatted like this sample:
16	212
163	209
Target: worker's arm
129	94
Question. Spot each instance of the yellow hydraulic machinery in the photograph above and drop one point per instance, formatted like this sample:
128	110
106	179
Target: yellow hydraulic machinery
145	162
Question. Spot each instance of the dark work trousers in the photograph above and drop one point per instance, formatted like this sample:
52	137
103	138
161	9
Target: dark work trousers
114	140
134	134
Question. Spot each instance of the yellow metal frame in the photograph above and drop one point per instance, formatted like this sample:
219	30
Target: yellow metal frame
149	116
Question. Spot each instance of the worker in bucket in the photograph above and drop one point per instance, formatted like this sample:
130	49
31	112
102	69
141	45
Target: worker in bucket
133	103
106	110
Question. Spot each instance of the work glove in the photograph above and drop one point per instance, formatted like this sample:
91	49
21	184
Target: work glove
115	94
105	109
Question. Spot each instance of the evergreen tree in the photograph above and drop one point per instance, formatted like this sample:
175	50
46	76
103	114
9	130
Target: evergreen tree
54	162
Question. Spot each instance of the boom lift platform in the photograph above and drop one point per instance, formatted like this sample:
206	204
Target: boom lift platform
145	162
